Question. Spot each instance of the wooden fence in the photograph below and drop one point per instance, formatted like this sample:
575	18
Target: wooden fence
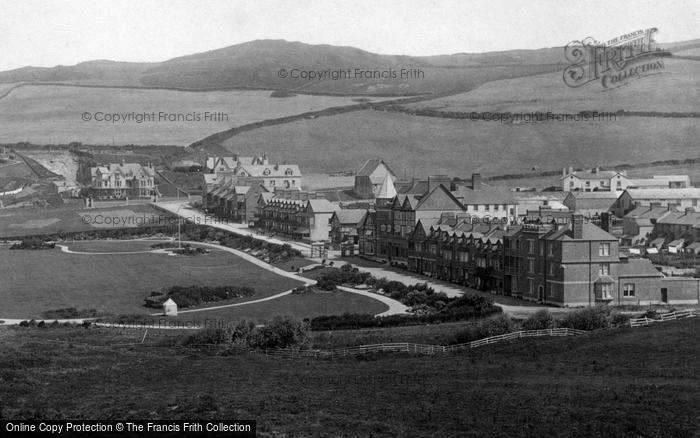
407	347
639	322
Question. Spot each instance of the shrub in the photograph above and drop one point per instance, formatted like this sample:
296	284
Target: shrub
282	332
590	318
188	296
498	325
539	320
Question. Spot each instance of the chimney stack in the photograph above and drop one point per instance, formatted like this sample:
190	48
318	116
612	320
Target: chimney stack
436	180
577	226
563	172
476	181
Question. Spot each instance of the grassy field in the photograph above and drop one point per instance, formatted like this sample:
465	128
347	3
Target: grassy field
427	145
626	382
301	306
45	114
676	89
28	221
41	280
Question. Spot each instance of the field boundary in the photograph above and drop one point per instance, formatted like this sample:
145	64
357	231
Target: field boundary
672	316
408	347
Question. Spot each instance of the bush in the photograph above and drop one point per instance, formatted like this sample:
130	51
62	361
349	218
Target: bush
590	318
498	325
282	332
189	296
239	335
539	320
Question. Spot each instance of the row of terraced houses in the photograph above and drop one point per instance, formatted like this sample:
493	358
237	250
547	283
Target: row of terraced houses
443	233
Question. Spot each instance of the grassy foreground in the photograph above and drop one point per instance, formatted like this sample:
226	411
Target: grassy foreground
625	382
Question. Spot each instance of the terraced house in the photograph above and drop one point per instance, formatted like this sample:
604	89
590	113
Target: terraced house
295	214
123	180
456	249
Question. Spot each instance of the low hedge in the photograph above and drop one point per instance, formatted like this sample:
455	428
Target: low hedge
189	296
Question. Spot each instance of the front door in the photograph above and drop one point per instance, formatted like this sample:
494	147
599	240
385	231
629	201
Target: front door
664	295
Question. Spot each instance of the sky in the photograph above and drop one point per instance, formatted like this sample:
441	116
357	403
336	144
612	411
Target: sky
64	32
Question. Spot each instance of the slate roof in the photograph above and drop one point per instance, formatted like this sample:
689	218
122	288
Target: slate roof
371	165
637	267
350	216
590	233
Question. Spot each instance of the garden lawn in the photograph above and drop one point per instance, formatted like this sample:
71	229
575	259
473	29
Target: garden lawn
302	306
34	281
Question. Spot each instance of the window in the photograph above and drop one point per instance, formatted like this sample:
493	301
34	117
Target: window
604	291
604	269
531	286
272	183
541	248
628	290
531	265
487	207
531	246
514	284
551	269
551	250
288	172
604	249
571	184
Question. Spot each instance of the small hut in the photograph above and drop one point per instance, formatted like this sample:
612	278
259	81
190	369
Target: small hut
170	308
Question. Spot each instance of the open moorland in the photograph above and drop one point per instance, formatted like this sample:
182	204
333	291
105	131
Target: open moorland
35	281
458	147
51	114
624	382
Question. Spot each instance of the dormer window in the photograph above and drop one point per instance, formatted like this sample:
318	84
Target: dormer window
266	172
288	172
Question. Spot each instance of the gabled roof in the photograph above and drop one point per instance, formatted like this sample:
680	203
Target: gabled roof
677	242
371	165
349	216
602	174
439	199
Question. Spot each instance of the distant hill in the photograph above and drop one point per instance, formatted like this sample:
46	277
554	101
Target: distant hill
255	65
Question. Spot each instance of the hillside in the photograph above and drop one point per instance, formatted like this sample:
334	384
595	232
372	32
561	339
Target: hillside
626	382
256	64
458	147
675	89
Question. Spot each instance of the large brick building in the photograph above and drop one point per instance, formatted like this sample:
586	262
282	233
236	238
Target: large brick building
579	264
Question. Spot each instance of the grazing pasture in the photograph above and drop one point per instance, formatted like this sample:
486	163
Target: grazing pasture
458	147
626	382
675	89
50	114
